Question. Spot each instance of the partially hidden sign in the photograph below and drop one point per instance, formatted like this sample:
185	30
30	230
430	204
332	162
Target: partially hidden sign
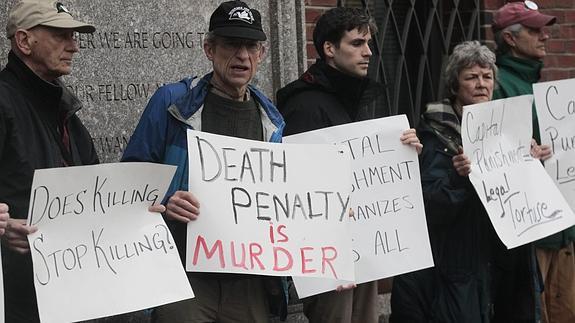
522	201
389	228
268	208
555	102
98	250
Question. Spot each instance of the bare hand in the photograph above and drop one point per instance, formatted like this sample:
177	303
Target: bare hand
4	216
341	288
16	236
158	208
461	163
183	206
541	152
409	137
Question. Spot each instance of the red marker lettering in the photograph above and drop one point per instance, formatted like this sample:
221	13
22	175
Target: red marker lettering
327	260
201	242
305	260
287	254
254	255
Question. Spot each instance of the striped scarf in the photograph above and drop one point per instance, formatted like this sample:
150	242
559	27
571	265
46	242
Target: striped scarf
441	119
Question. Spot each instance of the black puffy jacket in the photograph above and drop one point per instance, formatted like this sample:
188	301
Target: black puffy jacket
324	97
33	114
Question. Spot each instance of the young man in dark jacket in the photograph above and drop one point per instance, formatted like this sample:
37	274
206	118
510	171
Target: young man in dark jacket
38	129
333	91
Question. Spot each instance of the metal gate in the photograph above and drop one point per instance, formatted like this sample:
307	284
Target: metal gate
411	46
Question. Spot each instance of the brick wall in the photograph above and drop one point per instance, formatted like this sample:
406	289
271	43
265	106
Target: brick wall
314	9
560	60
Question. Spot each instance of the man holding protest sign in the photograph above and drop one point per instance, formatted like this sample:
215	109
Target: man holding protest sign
334	91
221	102
520	35
38	129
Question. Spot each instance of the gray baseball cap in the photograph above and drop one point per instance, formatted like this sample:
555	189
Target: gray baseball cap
27	14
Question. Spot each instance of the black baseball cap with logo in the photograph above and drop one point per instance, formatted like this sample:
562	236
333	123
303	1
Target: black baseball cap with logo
236	19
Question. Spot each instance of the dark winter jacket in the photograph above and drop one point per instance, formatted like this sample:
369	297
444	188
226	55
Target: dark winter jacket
516	275
461	235
324	97
33	116
516	77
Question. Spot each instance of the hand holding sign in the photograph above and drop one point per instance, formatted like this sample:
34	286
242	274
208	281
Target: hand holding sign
345	287
158	208
409	137
4	216
16	236
541	152
461	163
183	206
15	231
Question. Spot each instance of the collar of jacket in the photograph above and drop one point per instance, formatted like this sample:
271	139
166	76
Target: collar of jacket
349	90
193	101
526	69
333	80
54	96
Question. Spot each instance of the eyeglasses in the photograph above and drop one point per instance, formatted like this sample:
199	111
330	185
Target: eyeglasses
530	5
234	44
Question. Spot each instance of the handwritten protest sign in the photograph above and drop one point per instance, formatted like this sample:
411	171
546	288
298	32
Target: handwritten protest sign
389	227
522	201
98	250
270	209
555	102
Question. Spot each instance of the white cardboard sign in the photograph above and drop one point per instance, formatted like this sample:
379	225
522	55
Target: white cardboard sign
555	102
522	201
98	250
389	226
268	208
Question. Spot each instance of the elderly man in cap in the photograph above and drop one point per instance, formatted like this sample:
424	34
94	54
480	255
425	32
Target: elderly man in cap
38	129
520	34
221	102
